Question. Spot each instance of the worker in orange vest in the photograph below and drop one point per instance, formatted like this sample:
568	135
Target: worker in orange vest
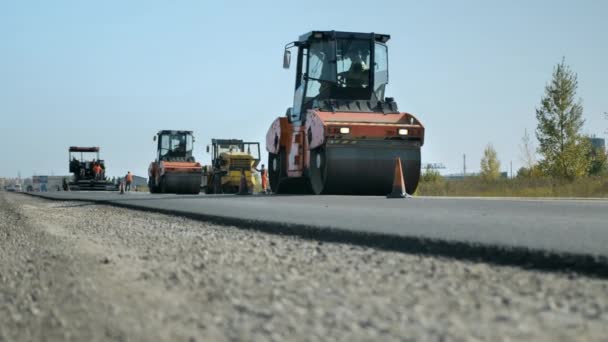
264	176
97	171
128	180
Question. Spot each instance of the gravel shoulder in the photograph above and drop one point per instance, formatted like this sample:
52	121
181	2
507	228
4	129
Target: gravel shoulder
78	271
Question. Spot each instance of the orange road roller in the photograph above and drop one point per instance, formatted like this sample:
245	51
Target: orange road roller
175	170
342	135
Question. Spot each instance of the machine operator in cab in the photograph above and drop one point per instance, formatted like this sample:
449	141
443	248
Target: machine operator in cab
358	73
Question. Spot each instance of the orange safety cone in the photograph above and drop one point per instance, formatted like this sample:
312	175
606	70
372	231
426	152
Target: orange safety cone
398	182
243	189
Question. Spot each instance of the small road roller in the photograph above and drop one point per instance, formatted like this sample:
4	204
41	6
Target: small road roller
175	170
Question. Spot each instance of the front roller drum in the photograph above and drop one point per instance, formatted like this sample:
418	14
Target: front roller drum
363	170
181	183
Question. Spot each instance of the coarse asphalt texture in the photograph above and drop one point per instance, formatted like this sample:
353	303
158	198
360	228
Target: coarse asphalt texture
77	271
543	233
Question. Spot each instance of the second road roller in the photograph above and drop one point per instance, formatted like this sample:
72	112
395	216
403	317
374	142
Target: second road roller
175	170
342	135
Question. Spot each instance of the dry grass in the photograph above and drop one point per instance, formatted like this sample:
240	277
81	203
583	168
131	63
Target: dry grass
518	187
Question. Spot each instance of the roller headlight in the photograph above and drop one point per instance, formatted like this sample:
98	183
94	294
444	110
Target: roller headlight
403	131
344	130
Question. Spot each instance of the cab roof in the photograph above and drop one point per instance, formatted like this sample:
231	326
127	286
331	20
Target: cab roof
227	141
343	35
168	131
84	149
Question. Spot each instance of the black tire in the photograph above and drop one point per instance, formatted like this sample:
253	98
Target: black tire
276	170
317	170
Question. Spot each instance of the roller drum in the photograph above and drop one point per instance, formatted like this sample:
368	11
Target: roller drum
185	183
363	168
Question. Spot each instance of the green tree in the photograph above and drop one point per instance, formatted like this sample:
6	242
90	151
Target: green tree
560	119
490	166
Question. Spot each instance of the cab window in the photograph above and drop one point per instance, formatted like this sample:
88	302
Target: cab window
380	69
352	62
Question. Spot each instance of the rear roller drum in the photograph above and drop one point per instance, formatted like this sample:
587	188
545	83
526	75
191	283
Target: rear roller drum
362	170
279	182
318	170
275	170
163	185
182	184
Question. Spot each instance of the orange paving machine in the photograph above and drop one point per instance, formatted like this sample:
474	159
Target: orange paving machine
342	136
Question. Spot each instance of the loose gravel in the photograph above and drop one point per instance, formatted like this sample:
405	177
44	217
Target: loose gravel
85	272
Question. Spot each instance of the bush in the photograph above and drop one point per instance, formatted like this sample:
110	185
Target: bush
431	176
518	187
431	183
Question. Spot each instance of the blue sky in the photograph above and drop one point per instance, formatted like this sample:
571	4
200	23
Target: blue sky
113	73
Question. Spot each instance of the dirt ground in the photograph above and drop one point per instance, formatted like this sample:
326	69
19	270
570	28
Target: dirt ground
77	271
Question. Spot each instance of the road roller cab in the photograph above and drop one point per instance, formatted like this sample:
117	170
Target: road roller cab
175	170
341	135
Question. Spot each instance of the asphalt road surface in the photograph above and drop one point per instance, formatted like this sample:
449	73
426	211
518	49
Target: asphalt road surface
568	227
77	271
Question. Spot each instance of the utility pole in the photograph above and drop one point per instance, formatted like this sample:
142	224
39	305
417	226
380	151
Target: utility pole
511	167
464	165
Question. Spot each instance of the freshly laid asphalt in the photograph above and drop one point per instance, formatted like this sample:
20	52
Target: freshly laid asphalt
575	227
